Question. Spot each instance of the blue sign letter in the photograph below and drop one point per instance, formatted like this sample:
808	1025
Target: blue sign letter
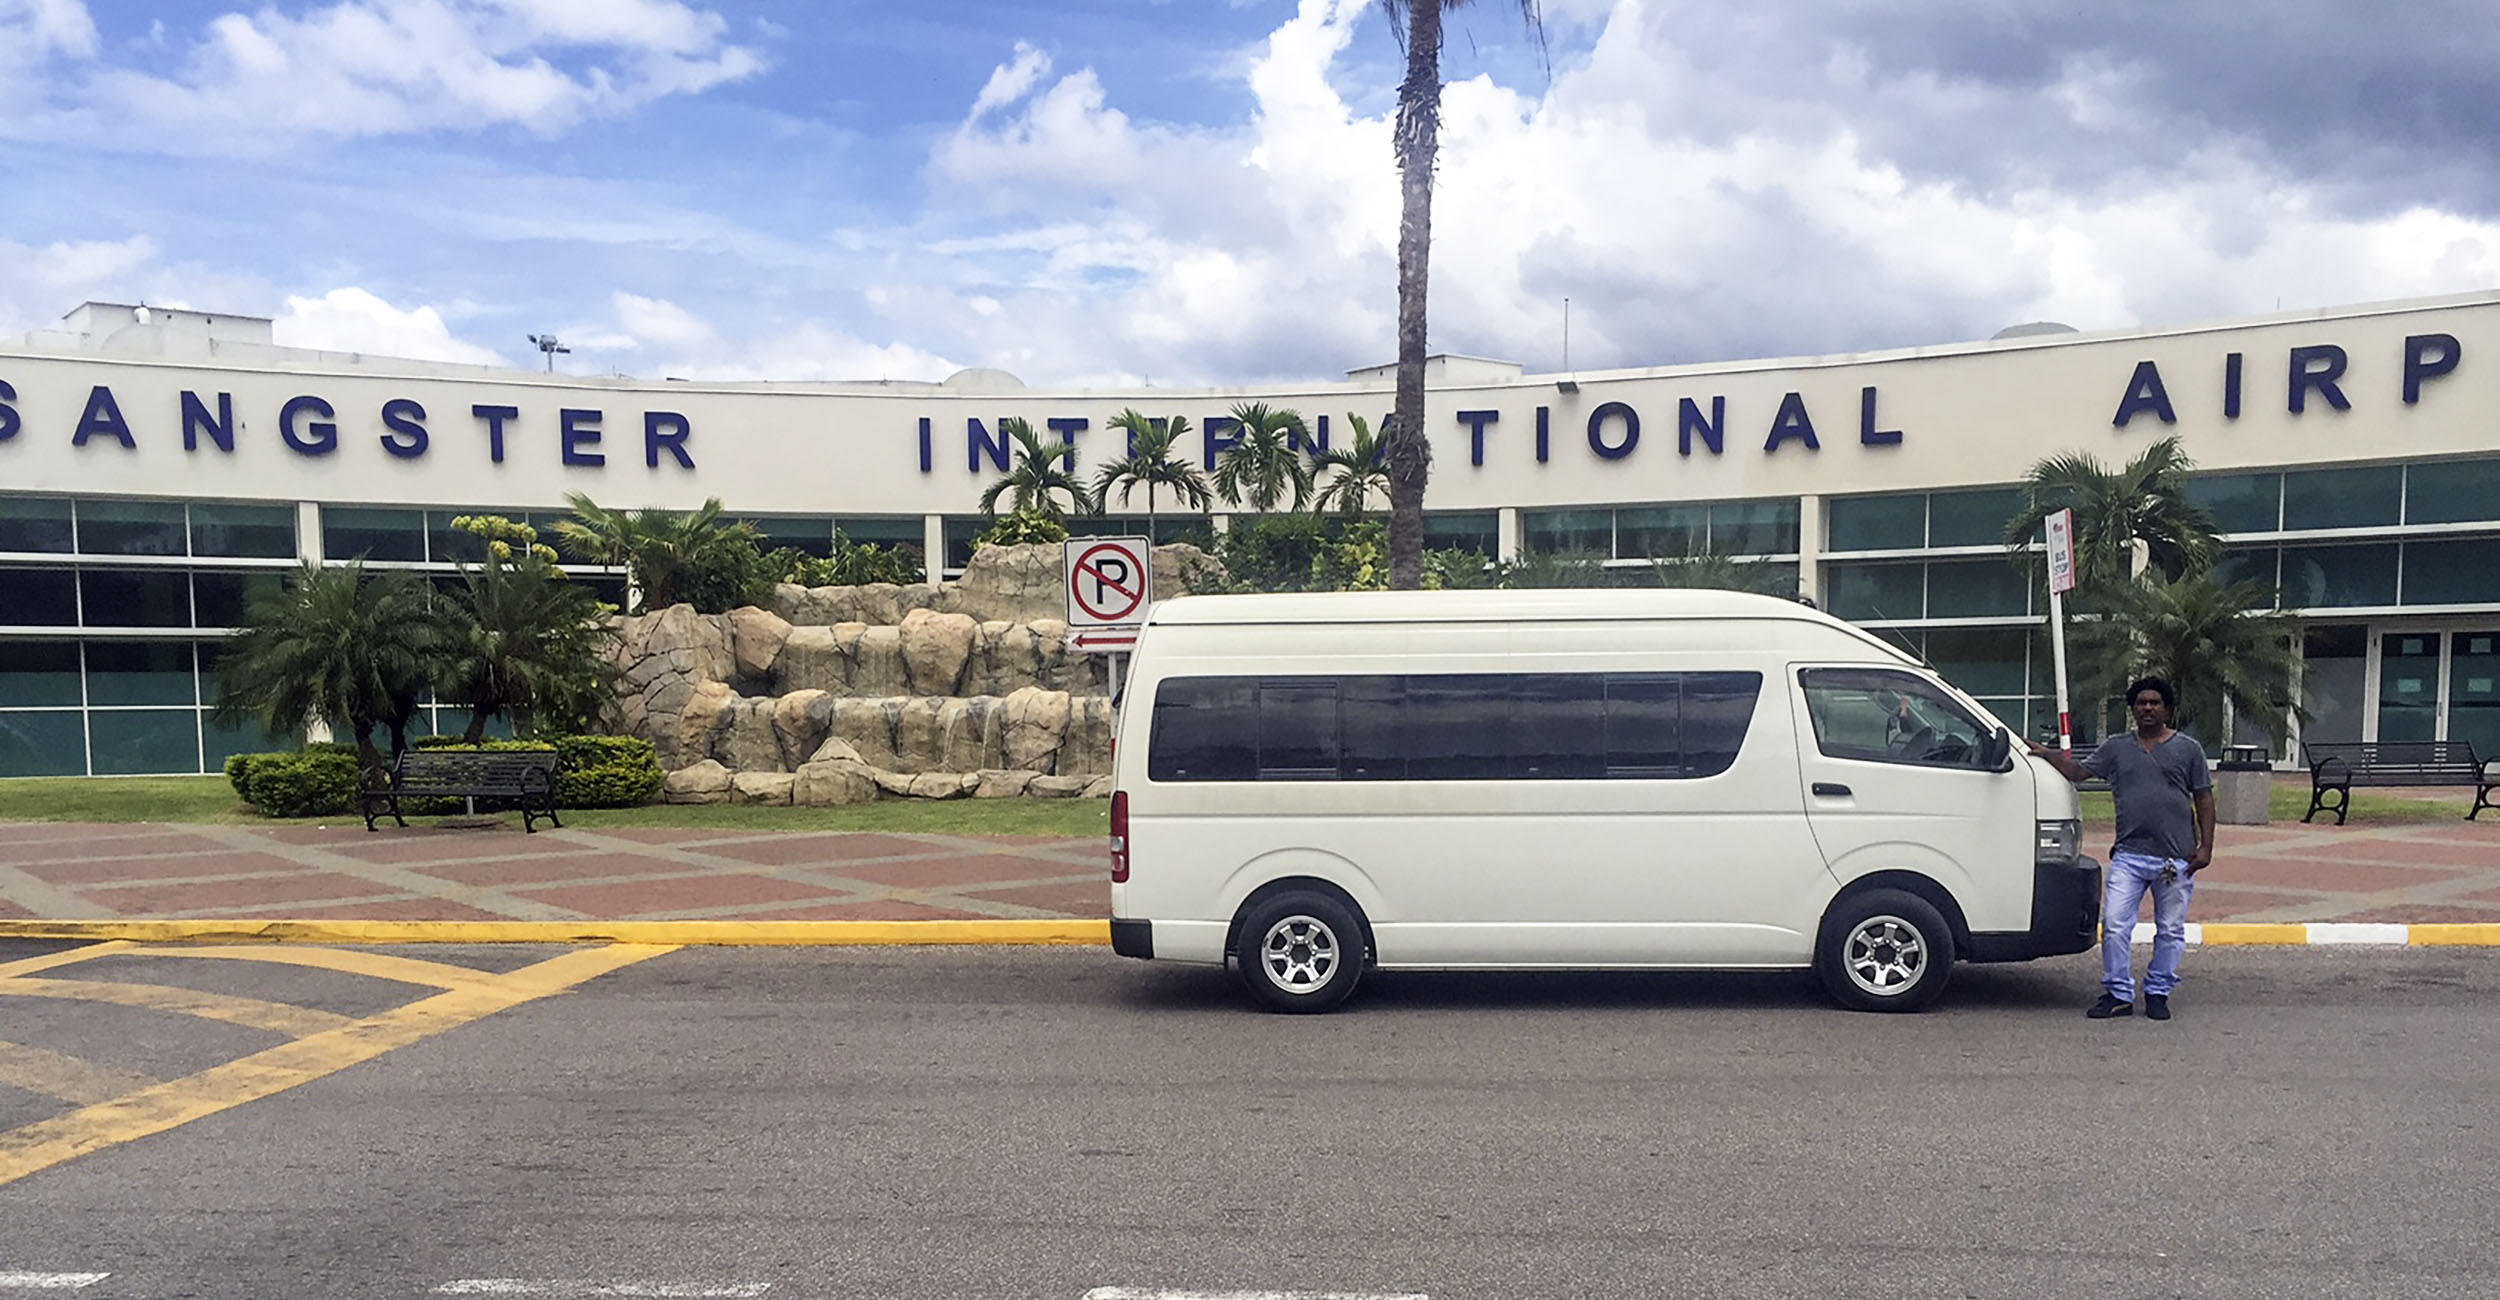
2318	367
325	435
1792	422
1597	431
579	430
669	429
103	415
1688	422
2144	393
2428	356
494	417
9	420
403	416
977	440
2231	386
1867	432
1219	437
1067	427
196	420
926	464
1543	440
1475	422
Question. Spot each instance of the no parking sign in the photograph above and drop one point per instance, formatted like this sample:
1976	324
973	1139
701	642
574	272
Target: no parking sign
1107	581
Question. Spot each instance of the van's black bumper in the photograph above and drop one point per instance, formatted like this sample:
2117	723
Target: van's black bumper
2065	916
1132	938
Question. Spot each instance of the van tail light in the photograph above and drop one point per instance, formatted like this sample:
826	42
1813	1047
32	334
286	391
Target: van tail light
1119	837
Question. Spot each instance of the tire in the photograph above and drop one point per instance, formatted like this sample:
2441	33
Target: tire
1884	950
1300	950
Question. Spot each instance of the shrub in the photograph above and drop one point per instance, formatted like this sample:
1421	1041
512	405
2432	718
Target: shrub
1024	528
243	770
852	564
597	771
312	783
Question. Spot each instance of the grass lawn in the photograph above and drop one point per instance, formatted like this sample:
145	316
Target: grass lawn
211	799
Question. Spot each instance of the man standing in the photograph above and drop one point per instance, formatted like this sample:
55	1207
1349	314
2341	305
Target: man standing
2165	797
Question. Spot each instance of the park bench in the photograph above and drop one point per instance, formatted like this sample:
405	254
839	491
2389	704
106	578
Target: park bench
2336	767
525	778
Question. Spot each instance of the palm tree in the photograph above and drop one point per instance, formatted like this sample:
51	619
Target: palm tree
1151	464
523	640
2144	501
1038	475
1359	471
337	645
691	556
1267	461
1417	142
2200	633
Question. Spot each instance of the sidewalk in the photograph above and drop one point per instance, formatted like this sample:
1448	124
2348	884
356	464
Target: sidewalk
2402	872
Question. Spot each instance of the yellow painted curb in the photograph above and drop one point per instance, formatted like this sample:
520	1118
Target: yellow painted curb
2474	934
2252	933
685	933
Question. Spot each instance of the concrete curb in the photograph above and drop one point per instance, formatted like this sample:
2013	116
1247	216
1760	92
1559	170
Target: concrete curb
685	933
2481	934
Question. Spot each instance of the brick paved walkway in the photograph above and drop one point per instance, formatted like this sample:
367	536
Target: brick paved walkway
2403	872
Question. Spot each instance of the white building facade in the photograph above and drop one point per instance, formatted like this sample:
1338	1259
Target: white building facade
156	467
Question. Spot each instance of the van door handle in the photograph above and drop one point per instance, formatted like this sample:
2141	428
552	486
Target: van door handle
1831	790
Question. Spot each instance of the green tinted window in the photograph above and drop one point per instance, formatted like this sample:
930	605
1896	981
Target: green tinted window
2463	572
2360	497
1980	660
1548	531
2326	577
43	744
1875	591
1976	589
39	674
2248	564
1876	523
255	532
39	524
143	742
1660	532
1476	531
351	532
139	672
2452	492
1971	518
1754	527
2240	503
130	528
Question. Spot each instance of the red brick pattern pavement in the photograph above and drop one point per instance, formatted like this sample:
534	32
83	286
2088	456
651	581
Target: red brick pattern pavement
2412	871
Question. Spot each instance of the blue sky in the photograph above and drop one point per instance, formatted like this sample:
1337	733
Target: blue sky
1199	191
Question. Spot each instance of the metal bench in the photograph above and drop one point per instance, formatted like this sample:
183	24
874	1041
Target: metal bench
525	778
2336	767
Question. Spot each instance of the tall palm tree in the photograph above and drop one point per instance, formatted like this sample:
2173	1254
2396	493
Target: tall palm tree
1037	476
1150	464
2201	634
337	645
1417	142
523	640
1267	461
2144	501
690	556
1359	471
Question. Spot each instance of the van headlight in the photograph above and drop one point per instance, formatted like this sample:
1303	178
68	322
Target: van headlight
2058	842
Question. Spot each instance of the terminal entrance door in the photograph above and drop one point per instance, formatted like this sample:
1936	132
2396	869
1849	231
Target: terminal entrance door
2474	690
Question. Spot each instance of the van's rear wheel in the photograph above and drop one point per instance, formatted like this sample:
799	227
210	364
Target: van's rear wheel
1885	950
1300	950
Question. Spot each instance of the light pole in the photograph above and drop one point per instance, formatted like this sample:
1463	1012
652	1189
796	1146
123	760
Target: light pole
547	344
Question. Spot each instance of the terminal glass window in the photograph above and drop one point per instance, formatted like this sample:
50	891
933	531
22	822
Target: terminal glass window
36	524
1989	588
2240	503
1477	531
44	743
1754	527
2474	690
140	672
358	532
136	742
2408	686
2452	573
1661	532
808	535
2329	577
1548	532
1882	592
225	599
38	597
1451	726
2249	564
2450	492
245	532
131	528
136	597
1975	518
2367	496
39	674
1896	523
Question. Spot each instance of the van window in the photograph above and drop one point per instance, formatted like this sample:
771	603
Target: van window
1880	716
1450	726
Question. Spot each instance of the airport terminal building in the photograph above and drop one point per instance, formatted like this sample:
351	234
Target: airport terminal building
157	466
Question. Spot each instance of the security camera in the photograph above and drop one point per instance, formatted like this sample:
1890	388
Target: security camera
139	314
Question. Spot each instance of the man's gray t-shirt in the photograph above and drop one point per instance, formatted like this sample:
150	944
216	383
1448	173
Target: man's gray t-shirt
2153	790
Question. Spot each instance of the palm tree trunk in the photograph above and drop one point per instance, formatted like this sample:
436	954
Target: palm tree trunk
476	734
1150	517
1418	145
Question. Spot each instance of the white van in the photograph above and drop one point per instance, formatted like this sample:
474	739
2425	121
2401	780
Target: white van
1312	786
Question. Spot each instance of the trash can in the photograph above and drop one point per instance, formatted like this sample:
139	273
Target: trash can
2243	786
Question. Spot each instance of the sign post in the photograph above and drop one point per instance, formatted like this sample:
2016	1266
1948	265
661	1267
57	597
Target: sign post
2061	529
1109	584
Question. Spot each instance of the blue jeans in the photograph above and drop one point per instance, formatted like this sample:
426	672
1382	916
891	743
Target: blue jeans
2131	876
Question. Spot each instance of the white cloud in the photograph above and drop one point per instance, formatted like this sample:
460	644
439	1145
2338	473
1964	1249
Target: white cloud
353	320
35	27
375	67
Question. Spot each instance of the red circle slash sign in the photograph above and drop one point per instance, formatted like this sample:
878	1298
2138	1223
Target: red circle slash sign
1107	584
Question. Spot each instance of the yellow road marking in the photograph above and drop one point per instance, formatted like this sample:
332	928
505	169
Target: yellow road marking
404	970
36	1069
2254	932
276	1017
2482	934
46	1143
66	957
1072	930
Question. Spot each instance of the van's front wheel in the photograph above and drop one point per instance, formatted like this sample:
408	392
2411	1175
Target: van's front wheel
1300	950
1885	950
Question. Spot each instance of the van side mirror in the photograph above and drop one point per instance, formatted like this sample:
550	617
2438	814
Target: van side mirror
1995	749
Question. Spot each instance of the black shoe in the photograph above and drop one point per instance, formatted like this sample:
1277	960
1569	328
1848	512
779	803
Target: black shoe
2157	1006
2109	1006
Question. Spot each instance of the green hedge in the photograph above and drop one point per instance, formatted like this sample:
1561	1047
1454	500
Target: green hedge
323	780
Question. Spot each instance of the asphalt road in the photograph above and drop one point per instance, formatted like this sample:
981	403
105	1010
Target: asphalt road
1041	1123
